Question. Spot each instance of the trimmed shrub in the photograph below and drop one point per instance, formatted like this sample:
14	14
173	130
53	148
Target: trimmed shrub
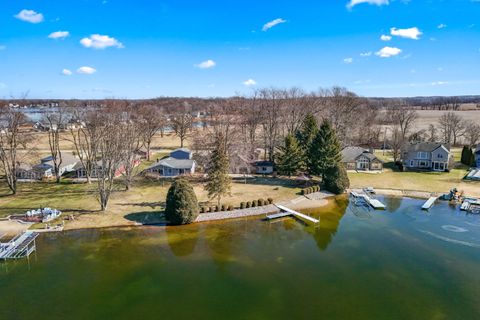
270	200
260	202
217	208
254	203
336	179
249	204
202	210
224	208
182	205
242	205
230	208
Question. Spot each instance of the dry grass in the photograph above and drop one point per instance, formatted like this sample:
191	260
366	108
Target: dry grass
427	117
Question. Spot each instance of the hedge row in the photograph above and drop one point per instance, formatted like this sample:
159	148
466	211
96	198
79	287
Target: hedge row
216	208
256	203
310	190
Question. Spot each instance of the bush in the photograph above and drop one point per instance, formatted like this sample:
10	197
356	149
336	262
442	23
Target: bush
336	179
270	200
249	204
242	205
217	208
230	208
202	210
260	202
224	208
302	192
182	205
254	203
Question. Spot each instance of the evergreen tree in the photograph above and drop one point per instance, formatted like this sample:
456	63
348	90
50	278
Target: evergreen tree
472	161
219	182
290	156
305	136
182	204
464	158
325	150
336	179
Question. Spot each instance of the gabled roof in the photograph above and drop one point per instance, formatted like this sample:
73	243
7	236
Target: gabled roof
263	164
477	149
425	146
350	154
174	163
182	149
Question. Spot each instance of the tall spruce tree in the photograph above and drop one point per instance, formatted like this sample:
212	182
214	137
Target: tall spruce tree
465	157
305	136
219	182
325	150
290	156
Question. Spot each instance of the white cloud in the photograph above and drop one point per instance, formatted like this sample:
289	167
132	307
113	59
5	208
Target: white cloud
273	23
206	64
409	33
348	60
387	52
67	72
385	37
249	82
86	70
29	16
98	41
353	3
366	54
441	26
59	35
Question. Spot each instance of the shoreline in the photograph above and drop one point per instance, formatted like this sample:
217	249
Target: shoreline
311	201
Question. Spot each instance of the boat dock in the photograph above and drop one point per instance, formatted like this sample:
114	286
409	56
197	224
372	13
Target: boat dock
471	205
429	203
286	212
19	247
374	203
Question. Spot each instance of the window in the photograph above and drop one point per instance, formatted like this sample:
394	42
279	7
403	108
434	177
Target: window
422	155
440	156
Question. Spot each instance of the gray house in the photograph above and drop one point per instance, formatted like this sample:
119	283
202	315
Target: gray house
430	156
178	163
360	159
45	169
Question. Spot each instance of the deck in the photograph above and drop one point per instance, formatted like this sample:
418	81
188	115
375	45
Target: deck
285	212
19	247
429	203
376	204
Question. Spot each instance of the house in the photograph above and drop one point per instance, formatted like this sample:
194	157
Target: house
360	159
179	162
264	167
81	173
45	169
477	156
432	156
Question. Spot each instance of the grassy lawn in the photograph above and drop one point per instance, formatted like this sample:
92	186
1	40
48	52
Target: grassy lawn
419	181
126	207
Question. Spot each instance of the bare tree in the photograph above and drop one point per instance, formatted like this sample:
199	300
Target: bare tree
270	114
12	138
472	133
432	133
403	115
452	127
396	143
182	123
152	121
56	121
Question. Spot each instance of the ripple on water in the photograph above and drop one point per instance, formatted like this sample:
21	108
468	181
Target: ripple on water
454	228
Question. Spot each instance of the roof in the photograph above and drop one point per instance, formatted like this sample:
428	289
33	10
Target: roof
477	149
67	160
183	149
426	146
174	163
350	154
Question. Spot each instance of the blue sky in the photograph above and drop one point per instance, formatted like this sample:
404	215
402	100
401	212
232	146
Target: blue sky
150	48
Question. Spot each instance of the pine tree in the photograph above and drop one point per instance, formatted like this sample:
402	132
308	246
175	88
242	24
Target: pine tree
471	161
464	157
290	156
219	182
305	137
325	150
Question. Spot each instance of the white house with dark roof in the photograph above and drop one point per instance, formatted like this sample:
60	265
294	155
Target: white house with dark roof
360	159
45	169
432	156
179	163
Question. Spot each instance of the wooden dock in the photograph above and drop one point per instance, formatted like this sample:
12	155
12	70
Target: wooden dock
429	203
285	212
19	247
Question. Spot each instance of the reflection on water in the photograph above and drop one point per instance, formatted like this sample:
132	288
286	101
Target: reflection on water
402	263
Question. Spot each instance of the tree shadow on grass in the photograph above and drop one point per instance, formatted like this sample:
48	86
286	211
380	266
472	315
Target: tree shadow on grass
279	182
151	205
147	218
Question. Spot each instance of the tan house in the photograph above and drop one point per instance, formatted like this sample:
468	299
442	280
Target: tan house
360	159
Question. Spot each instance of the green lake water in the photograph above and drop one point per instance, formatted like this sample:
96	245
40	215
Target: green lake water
402	263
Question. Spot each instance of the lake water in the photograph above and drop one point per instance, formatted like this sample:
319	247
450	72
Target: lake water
402	263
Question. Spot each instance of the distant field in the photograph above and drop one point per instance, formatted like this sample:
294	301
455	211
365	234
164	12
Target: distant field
426	117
